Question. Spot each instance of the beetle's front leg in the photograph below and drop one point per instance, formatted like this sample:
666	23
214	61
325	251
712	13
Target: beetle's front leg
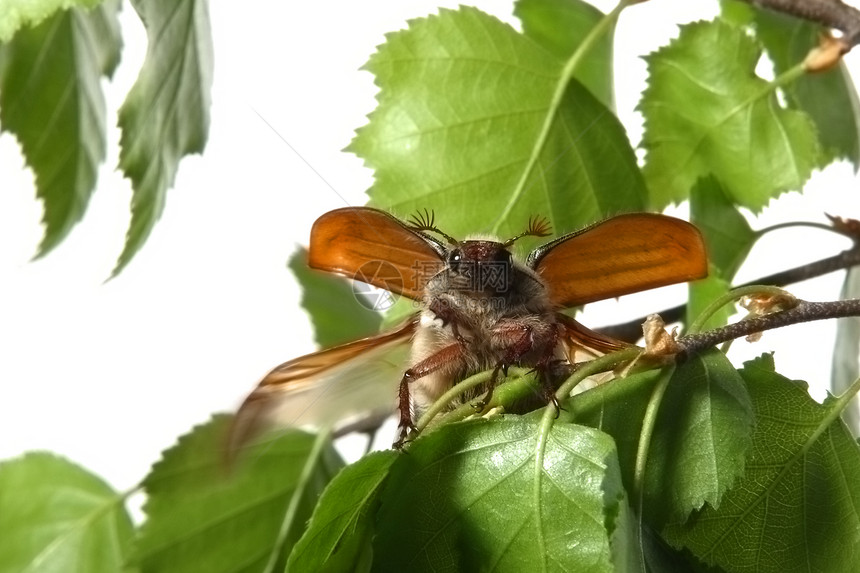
448	358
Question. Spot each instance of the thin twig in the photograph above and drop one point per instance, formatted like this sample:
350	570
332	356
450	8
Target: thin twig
830	13
805	311
632	330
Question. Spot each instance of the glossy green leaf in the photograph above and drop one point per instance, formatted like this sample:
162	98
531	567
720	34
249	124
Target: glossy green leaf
707	113
15	14
56	516
797	508
337	313
341	529
51	99
166	114
560	26
700	436
845	367
617	408
205	514
467	125
471	496
829	98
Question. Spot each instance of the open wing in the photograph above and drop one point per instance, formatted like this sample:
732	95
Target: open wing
582	340
332	387
374	247
622	255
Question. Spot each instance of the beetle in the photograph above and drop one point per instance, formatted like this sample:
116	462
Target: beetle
478	308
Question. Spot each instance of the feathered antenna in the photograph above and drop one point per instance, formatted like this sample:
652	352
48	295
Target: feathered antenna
426	222
538	227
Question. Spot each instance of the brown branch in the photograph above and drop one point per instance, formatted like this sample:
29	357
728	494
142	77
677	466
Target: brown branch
830	13
804	312
632	330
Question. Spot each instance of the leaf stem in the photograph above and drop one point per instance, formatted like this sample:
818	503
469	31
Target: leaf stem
649	422
546	424
555	103
516	377
842	401
790	75
600	364
448	397
824	227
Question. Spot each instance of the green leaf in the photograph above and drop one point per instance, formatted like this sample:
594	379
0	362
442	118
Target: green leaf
340	532
166	114
477	120
560	26
828	97
56	516
845	366
706	112
470	497
332	303
797	508
15	14
736	12
207	515
702	434
51	99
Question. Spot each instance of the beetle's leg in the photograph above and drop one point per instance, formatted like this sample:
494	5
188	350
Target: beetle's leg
446	357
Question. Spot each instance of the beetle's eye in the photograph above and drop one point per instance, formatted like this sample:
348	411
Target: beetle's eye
504	257
454	258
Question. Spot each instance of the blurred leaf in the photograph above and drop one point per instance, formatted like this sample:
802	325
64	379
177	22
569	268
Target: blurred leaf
706	112
700	440
828	97
204	515
469	497
560	26
15	14
797	508
845	368
705	291
462	104
51	99
340	532
332	303
728	236
56	516
737	12
166	114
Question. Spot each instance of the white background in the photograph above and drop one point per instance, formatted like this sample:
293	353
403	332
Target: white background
110	373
